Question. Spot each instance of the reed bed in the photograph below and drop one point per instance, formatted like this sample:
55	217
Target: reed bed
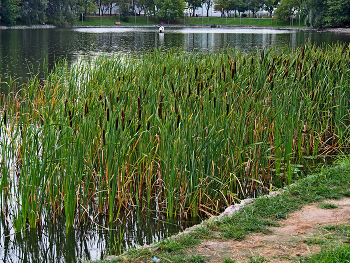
185	134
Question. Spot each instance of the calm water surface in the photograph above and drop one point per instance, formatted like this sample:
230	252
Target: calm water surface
23	52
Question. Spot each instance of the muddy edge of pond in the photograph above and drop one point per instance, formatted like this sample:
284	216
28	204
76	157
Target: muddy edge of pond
228	211
328	29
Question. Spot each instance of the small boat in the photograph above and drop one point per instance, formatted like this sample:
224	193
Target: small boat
161	29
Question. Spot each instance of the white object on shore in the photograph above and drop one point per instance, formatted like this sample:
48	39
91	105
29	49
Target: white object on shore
161	29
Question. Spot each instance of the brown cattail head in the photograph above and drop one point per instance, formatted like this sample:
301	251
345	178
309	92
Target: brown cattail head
160	110
104	137
198	88
252	61
331	65
107	114
176	106
227	108
138	127
202	85
196	74
148	125
5	118
86	109
214	102
117	99
315	64
268	73
179	93
285	73
172	87
178	121
164	71
224	76
65	106
139	114
70	118
271	85
105	104
303	52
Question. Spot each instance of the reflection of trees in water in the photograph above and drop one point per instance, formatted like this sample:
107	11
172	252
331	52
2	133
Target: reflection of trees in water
89	241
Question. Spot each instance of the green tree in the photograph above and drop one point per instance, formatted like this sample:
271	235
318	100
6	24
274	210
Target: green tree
286	8
314	12
222	6
63	12
9	11
34	11
193	5
254	6
269	5
208	4
338	12
169	9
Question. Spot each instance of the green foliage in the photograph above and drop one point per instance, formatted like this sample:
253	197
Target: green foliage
328	206
63	12
269	5
169	9
124	11
34	11
193	5
331	255
286	8
9	11
314	12
338	12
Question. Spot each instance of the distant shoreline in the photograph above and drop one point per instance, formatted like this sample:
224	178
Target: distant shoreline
340	30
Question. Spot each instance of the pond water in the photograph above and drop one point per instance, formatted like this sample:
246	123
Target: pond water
23	52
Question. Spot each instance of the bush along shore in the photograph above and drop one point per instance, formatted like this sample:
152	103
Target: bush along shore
188	134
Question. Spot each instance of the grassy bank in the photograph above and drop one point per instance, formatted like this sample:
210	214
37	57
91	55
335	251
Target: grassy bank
329	183
212	21
189	134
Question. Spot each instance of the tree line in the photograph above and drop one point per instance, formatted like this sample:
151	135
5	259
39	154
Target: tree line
315	13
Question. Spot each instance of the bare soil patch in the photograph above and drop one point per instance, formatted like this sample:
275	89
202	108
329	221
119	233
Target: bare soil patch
286	243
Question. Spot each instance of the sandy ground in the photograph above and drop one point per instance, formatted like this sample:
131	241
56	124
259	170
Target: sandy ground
286	243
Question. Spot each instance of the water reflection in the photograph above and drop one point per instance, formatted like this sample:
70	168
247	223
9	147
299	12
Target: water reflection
90	241
23	51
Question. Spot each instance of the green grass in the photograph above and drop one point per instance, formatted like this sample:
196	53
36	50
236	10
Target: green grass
328	206
212	21
260	214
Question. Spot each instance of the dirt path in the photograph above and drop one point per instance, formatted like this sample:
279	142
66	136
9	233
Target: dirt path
287	242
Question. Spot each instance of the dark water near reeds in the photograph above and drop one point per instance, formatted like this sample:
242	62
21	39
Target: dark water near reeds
23	52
